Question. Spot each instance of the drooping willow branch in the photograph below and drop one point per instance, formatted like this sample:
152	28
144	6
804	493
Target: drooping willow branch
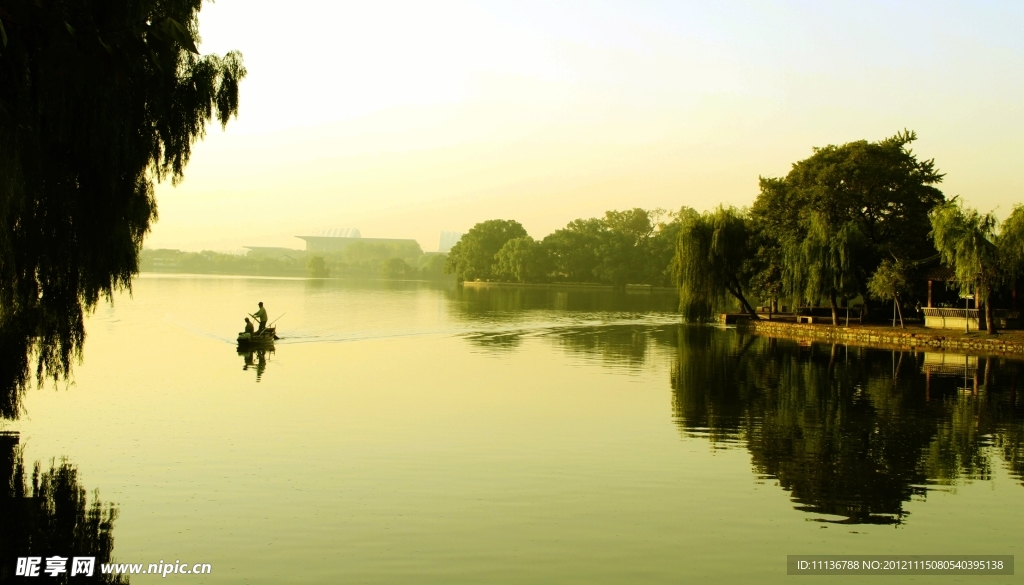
97	101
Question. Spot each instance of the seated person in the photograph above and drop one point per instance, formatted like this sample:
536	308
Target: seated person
248	326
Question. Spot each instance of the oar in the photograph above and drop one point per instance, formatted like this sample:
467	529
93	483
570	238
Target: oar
275	320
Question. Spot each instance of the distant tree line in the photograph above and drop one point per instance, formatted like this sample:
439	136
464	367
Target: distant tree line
623	247
391	260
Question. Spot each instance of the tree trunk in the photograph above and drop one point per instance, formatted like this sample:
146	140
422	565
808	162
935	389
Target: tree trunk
737	292
746	306
899	310
835	309
990	323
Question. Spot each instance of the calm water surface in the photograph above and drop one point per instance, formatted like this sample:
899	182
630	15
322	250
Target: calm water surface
416	433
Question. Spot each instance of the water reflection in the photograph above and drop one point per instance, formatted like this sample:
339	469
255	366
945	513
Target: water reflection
622	346
255	359
508	303
50	516
852	433
496	342
576	317
14	370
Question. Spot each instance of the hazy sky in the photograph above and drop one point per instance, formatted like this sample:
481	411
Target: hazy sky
405	119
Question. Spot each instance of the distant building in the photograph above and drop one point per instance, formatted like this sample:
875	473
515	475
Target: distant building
275	252
336	240
448	239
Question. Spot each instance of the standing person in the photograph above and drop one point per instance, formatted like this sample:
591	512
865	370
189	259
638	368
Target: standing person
262	316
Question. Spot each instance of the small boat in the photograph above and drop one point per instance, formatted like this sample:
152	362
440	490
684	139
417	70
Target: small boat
263	338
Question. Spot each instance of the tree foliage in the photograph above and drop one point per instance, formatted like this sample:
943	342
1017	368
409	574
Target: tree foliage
823	264
575	250
837	214
624	251
1011	244
432	265
623	247
966	241
713	259
97	101
317	267
889	282
472	257
395	268
521	260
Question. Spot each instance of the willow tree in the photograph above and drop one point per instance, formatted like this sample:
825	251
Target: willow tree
712	260
823	264
966	241
98	100
1011	244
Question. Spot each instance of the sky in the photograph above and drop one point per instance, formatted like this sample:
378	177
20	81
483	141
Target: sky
403	119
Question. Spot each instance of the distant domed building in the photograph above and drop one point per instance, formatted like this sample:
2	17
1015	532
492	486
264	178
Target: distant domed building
334	233
337	239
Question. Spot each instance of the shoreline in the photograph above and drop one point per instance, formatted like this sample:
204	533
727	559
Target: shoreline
1006	343
291	277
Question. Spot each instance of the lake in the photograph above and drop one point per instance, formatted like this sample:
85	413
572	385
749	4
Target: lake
407	432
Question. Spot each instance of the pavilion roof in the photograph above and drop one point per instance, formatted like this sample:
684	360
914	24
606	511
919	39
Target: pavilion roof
941	274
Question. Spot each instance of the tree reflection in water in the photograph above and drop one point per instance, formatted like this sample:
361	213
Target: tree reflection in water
510	304
850	432
50	516
14	367
622	346
510	314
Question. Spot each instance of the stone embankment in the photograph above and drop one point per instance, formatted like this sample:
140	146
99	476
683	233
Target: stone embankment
1009	343
626	287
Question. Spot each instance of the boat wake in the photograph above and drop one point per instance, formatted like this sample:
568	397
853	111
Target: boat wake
490	326
487	328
